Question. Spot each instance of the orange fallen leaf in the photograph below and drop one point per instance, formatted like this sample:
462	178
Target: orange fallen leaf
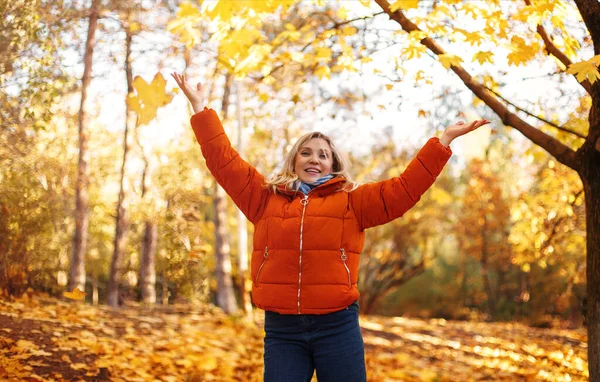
75	295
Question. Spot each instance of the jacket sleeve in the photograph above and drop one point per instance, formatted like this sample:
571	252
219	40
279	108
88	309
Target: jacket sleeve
240	180
382	202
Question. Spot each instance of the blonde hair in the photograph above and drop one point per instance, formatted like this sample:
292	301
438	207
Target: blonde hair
287	176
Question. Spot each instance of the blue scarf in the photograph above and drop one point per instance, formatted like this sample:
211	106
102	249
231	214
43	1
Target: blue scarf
306	187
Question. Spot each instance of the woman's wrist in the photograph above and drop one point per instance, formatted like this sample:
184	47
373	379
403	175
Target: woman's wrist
446	140
197	107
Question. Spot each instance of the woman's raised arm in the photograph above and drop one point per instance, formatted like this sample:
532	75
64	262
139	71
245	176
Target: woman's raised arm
381	202
239	179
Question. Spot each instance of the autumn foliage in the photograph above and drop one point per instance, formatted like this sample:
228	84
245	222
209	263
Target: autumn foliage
43	339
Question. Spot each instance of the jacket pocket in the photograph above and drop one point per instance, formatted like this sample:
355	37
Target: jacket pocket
344	258
262	264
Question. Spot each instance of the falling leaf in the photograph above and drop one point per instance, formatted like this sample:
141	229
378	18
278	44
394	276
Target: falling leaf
148	98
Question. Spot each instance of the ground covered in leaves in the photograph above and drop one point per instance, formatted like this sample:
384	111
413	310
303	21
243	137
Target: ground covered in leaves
43	339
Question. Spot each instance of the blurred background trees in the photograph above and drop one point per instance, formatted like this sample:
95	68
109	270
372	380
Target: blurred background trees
500	236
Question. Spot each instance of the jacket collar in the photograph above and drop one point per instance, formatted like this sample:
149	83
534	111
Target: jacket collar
326	188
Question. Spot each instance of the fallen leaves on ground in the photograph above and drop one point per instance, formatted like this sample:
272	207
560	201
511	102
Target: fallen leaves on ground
43	339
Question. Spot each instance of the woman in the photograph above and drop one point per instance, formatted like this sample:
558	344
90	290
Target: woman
309	222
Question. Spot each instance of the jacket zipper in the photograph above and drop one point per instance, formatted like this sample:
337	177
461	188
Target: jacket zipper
304	202
346	266
262	264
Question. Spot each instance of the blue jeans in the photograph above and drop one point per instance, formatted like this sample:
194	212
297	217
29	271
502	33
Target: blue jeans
296	345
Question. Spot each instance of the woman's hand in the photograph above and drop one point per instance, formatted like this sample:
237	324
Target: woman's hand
460	128
193	94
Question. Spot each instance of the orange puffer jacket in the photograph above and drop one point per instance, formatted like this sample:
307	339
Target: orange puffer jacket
306	247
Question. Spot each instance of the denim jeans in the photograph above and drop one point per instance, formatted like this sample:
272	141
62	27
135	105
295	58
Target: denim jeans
296	345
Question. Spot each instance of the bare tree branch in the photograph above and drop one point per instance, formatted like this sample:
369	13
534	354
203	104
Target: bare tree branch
561	128
560	151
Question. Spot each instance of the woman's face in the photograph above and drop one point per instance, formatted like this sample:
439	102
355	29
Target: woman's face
313	160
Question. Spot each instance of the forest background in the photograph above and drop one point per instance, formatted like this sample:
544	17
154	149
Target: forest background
103	188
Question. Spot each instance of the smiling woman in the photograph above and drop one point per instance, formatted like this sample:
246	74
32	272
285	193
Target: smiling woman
309	230
313	159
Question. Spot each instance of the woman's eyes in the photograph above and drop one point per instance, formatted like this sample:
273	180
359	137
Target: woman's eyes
306	153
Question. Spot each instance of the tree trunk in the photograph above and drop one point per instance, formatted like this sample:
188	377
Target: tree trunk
147	267
491	300
77	268
122	220
147	264
165	289
591	183
225	294
95	290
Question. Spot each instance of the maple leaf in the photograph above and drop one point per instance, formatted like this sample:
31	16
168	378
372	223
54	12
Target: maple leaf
521	52
448	60
483	57
414	51
403	4
585	70
473	38
149	97
76	294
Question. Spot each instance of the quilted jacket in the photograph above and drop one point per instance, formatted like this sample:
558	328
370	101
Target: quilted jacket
306	248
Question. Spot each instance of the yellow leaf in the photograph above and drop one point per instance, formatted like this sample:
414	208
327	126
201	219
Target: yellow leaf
263	97
389	86
349	30
414	51
521	52
323	71
134	27
474	38
75	295
416	36
448	60
584	70
149	97
184	24
342	13
324	54
483	57
403	4
188	10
